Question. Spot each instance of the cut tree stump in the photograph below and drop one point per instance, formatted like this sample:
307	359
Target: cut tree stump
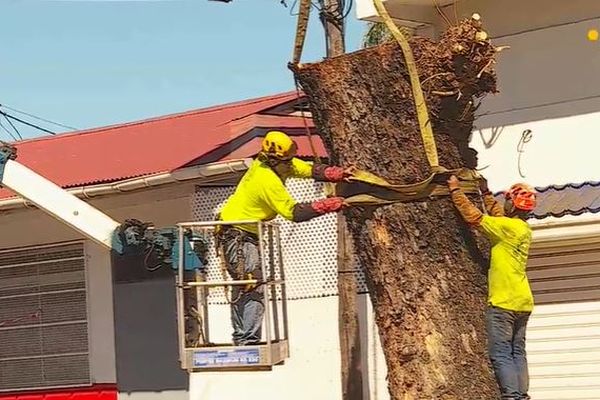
425	271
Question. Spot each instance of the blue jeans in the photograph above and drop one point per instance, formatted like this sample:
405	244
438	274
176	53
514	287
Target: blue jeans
247	308
506	346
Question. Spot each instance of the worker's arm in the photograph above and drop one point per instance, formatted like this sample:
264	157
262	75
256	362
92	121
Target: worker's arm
491	204
493	226
319	172
466	208
278	198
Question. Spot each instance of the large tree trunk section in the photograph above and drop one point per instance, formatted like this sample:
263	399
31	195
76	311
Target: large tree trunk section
425	273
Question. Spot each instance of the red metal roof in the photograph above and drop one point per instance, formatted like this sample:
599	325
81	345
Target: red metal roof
251	148
155	145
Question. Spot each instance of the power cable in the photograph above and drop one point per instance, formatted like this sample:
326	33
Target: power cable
12	125
37	117
7	131
7	116
525	138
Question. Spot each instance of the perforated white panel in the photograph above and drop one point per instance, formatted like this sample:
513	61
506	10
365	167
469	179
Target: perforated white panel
309	248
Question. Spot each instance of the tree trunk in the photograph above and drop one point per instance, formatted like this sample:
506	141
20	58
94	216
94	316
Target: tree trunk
425	272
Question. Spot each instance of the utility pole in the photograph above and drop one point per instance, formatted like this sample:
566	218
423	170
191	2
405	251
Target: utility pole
331	17
350	351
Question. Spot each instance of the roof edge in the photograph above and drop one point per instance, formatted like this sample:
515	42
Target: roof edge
206	172
220	107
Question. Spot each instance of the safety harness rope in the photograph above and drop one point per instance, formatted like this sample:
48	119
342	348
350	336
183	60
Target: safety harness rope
301	27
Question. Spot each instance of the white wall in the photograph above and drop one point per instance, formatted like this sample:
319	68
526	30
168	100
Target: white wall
547	84
311	372
374	365
313	369
500	17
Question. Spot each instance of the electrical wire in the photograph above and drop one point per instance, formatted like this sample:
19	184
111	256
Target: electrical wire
442	14
295	13
292	7
526	136
147	257
455	6
7	131
12	125
37	117
7	116
337	12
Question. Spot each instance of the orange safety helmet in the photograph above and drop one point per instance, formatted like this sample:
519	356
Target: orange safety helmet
522	196
279	145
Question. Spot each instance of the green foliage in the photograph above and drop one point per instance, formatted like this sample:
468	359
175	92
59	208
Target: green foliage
378	33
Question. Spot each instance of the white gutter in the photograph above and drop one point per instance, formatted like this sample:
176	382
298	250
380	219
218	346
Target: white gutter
572	231
202	172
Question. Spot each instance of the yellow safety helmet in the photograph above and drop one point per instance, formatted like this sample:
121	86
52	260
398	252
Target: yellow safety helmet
279	145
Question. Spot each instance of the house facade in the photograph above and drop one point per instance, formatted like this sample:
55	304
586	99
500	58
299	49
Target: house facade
542	128
78	323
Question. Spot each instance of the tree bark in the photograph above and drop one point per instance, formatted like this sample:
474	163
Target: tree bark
425	272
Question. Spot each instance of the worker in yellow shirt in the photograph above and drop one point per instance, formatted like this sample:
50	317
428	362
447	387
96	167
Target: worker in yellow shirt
261	195
510	300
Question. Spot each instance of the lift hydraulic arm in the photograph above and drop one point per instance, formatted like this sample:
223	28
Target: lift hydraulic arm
132	237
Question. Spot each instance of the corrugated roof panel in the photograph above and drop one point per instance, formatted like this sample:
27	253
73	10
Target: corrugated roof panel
567	199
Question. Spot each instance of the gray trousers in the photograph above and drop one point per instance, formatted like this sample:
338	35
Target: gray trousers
241	256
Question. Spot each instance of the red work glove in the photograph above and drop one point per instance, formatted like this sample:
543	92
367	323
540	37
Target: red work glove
334	174
328	205
338	174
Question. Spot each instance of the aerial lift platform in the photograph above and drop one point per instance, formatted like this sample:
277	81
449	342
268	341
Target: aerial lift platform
196	349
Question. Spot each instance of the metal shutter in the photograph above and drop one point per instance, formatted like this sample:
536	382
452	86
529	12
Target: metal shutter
563	336
43	317
565	274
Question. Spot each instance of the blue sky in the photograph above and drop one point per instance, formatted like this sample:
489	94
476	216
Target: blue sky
88	63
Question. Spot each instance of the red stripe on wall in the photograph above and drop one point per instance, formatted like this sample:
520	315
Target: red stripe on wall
96	392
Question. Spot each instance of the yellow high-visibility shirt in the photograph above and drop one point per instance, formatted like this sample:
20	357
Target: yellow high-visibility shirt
261	195
508	285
